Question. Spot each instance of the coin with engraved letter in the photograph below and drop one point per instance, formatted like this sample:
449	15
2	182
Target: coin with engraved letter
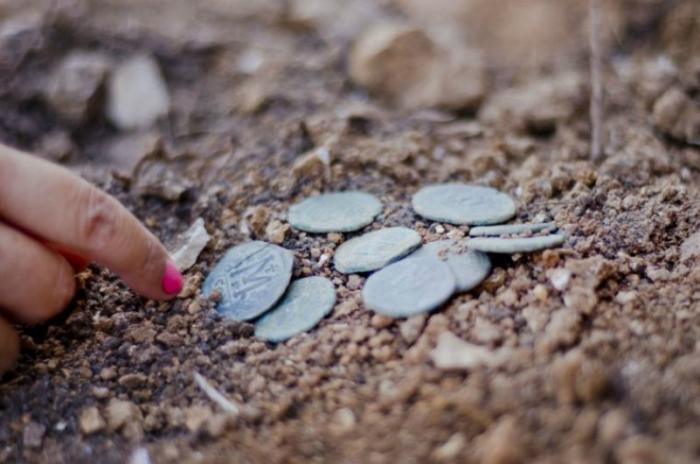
250	279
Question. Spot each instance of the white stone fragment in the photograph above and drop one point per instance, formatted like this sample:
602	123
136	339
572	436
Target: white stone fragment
140	456
560	278
451	352
194	241
137	94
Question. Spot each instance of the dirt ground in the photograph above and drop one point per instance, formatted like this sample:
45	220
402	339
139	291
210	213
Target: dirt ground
602	335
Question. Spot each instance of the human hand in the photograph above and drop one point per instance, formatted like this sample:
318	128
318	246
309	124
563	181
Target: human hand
51	220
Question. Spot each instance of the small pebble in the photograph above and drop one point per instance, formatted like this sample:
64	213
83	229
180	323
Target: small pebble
515	245
307	302
376	249
510	229
250	278
411	286
335	212
469	267
463	204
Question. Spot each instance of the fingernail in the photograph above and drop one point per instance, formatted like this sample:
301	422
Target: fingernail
172	279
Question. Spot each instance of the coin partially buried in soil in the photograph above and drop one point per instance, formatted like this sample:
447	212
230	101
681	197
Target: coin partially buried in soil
335	212
409	287
251	278
515	245
463	204
375	249
306	302
469	267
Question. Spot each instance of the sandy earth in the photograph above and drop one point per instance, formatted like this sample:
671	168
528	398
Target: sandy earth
593	348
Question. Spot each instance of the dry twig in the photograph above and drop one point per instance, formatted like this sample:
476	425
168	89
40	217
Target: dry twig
596	82
214	395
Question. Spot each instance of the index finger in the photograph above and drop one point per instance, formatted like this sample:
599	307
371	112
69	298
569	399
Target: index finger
50	202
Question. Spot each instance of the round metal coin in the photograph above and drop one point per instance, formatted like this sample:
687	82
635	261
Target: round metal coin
515	245
306	302
250	278
335	212
375	249
510	229
463	204
469	267
409	287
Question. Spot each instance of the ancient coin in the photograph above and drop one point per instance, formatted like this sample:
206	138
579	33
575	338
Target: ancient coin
514	245
511	229
410	286
306	302
469	267
335	212
375	249
250	279
463	204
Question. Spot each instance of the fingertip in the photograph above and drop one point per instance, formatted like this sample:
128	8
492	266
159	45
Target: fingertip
172	280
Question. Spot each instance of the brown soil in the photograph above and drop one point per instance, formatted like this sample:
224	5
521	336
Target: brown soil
604	369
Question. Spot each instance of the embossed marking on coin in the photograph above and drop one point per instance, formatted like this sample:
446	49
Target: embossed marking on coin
251	278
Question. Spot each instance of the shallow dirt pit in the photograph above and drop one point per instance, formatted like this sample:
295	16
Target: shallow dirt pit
585	353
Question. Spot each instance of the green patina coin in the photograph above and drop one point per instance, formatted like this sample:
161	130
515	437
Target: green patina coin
335	212
375	249
470	267
411	286
250	279
306	302
515	245
511	229
463	204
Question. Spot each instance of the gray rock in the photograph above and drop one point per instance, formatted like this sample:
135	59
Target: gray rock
74	86
307	302
463	204
409	287
510	229
251	278
515	245
469	267
335	212
375	249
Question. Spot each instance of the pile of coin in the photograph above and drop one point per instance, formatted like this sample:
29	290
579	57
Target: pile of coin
253	279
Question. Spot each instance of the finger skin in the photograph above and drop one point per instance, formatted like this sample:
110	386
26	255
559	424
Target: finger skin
9	346
63	209
35	283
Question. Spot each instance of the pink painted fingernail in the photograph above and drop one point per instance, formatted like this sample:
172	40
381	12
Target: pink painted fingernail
172	279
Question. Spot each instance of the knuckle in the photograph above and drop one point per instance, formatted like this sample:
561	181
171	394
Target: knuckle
98	218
